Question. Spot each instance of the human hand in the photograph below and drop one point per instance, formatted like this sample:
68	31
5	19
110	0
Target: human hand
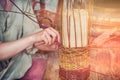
53	47
47	36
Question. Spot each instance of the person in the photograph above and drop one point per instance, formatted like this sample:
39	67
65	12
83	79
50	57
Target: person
20	37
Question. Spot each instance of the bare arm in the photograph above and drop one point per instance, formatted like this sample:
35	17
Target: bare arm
45	37
9	49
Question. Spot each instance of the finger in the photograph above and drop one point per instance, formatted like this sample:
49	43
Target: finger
52	34
57	33
39	43
55	47
58	44
48	38
45	39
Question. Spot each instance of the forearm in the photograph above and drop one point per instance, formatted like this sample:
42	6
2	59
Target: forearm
9	49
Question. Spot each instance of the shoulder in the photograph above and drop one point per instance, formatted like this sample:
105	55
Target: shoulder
27	5
23	4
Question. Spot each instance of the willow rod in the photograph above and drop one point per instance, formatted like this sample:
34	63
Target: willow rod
80	26
68	23
72	9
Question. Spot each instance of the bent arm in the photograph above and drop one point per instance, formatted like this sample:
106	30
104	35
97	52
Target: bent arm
9	49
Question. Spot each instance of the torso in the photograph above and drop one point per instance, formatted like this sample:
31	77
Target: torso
12	28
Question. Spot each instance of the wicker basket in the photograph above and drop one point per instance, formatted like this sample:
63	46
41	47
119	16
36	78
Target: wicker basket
74	64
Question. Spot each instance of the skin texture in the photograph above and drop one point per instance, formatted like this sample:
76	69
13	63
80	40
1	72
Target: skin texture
47	40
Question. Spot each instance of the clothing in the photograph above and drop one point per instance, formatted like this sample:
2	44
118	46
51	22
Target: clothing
37	70
14	26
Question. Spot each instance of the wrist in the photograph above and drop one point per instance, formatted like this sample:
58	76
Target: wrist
32	39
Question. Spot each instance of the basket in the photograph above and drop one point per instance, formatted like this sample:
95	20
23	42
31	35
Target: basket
74	63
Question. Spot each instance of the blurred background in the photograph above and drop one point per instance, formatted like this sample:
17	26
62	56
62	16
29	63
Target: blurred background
90	32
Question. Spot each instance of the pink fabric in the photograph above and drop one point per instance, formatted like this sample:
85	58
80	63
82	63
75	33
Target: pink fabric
36	71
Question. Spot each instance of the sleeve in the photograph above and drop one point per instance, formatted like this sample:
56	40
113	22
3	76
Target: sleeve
29	26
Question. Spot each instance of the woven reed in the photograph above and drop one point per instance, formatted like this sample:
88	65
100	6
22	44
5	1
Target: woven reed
74	58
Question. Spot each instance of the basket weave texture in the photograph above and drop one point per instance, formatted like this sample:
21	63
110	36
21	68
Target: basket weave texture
74	63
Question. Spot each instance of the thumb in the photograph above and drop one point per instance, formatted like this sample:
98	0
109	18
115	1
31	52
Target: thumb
39	43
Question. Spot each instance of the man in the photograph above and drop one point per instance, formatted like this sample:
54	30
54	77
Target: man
20	36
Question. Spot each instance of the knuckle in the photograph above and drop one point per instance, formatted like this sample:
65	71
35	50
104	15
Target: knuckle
44	32
54	35
50	28
57	32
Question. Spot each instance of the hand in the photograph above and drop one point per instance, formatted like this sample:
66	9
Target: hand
53	47
47	36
